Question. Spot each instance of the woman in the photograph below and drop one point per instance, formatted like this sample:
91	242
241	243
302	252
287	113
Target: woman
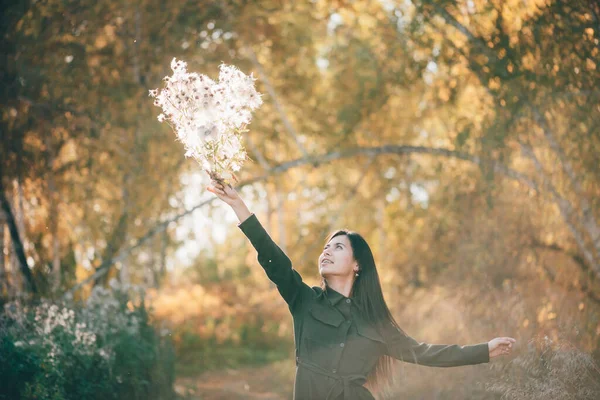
343	330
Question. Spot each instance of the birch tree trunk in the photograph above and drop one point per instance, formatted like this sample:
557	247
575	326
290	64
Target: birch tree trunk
4	283
381	230
162	272
53	216
19	260
279	198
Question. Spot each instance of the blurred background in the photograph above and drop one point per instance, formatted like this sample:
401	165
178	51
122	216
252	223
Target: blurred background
460	138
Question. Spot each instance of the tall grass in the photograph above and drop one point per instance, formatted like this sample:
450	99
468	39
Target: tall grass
549	370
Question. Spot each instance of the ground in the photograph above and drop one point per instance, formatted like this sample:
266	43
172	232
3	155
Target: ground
269	382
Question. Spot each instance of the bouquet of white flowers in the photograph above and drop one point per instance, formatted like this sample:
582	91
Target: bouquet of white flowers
209	117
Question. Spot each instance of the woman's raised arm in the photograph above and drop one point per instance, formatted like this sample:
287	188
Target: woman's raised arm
274	261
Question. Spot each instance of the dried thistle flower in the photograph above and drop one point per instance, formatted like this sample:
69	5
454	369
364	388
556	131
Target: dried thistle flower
209	117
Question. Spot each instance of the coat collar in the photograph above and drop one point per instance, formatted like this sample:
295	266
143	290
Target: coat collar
335	297
328	313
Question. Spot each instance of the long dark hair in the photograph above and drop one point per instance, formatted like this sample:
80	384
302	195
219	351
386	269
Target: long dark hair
366	289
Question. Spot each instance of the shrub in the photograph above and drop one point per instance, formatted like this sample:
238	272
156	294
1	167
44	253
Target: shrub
104	348
549	370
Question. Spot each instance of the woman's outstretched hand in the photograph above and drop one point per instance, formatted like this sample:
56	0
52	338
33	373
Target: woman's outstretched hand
229	195
500	346
224	192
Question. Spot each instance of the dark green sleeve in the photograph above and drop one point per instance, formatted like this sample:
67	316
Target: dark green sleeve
405	348
275	262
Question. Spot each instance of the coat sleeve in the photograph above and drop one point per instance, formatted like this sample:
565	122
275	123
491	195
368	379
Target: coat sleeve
403	347
276	263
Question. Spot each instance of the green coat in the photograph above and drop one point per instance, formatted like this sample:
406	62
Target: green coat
335	347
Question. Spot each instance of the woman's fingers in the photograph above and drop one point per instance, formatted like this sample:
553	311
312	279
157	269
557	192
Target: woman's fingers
219	189
219	185
224	191
506	344
503	345
506	340
215	190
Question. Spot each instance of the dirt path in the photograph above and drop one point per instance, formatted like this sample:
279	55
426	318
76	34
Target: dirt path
269	382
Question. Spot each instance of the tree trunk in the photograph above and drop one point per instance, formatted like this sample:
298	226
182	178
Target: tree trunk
381	230
566	209
278	106
4	284
269	221
53	216
163	256
585	218
162	268
16	240
279	198
124	274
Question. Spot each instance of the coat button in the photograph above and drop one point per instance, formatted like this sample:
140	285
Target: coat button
269	260
347	300
342	344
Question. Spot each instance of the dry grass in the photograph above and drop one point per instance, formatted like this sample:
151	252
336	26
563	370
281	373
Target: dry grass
549	370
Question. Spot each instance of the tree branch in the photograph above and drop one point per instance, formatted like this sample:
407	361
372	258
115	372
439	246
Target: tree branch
584	288
333	220
474	40
315	160
565	207
587	220
261	159
271	90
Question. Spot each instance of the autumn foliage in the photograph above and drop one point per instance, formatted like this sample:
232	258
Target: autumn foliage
459	138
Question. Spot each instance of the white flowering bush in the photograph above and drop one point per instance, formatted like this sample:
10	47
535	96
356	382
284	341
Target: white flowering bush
209	117
101	348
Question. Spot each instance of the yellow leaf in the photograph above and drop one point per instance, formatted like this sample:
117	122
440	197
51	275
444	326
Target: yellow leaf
589	64
100	42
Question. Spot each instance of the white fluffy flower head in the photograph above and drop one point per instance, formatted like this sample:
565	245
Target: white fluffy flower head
209	117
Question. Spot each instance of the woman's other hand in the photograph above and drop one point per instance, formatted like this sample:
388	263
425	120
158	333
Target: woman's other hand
224	192
500	346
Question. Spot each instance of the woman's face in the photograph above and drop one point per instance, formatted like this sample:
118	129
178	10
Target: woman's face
337	258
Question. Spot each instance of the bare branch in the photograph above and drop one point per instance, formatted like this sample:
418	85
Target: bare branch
261	159
474	40
271	90
587	220
582	287
333	220
315	161
565	207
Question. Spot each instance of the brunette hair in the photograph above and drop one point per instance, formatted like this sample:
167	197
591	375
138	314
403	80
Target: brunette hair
366	289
